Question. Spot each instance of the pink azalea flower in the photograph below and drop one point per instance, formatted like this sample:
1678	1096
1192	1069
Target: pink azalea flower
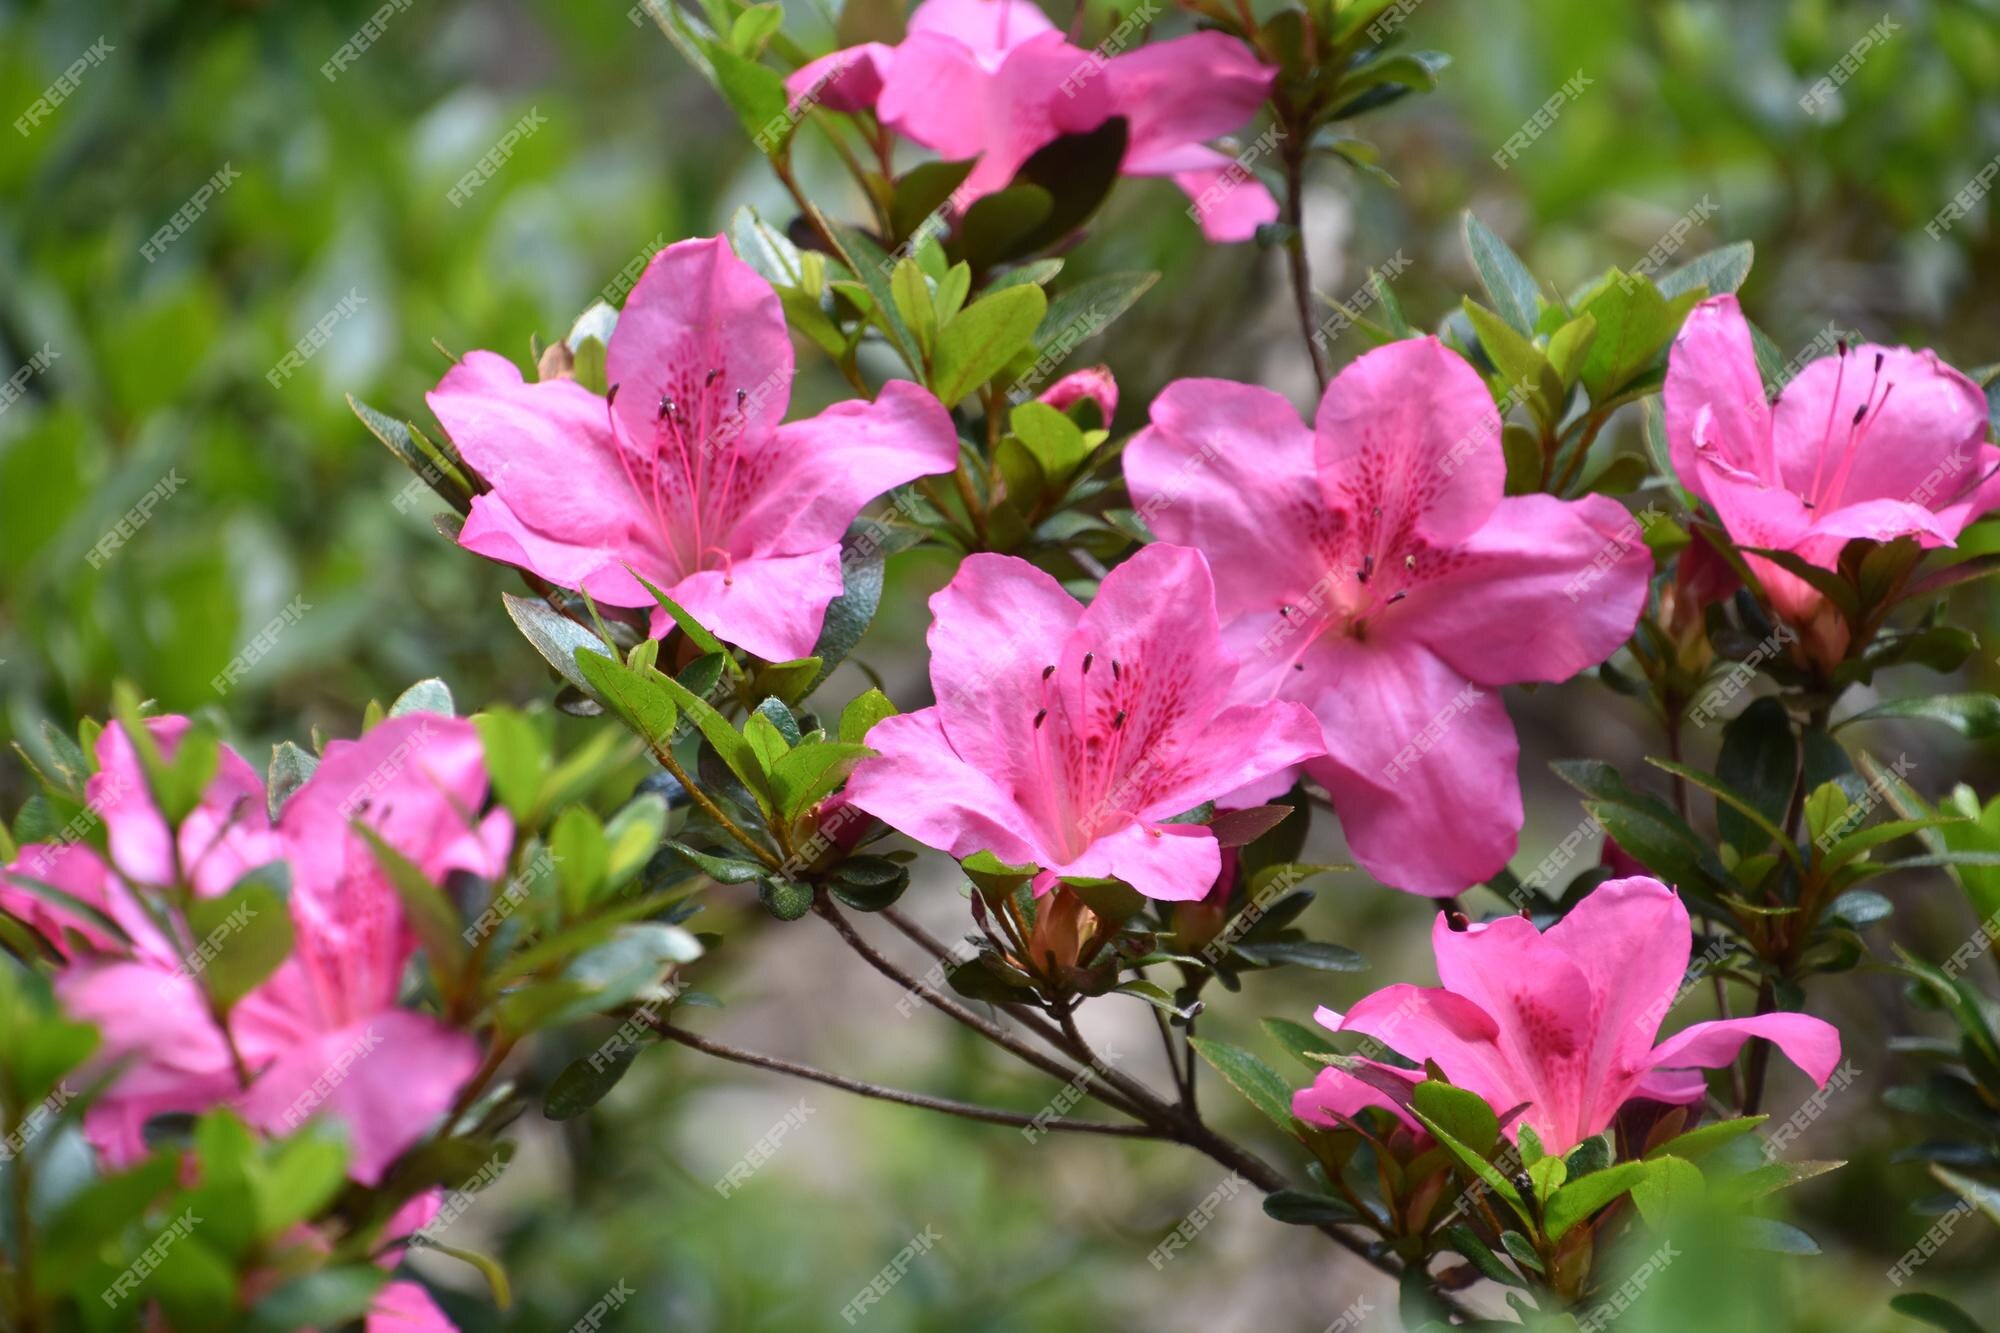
323	1034
995	80
1370	568
1876	442
1563	1020
1093	383
403	1306
1063	736
226	835
683	474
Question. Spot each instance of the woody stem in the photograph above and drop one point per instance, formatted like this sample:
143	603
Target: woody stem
1295	251
861	1088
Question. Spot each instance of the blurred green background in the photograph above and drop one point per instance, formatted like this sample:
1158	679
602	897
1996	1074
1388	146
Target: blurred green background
164	375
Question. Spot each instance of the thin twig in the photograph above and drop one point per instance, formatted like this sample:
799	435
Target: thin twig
861	1088
1295	254
992	1031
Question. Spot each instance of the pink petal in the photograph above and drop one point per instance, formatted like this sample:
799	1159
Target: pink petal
699	326
920	785
1713	367
936	93
1165	862
1420	764
1094	383
1426	1023
1810	1043
1185	90
1962	493
225	836
989	29
772	606
388	1079
1631	939
1577	570
405	1307
77	870
561	505
1228	469
835	463
1409	442
998	625
846	80
1336	1096
1229	200
1919	416
1882	521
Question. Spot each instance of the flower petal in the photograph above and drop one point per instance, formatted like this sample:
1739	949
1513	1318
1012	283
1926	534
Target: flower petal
406	1307
1576	570
1713	366
772	606
1094	383
1918	415
1165	862
1631	939
919	785
1810	1043
561	506
845	80
1421	764
1155	88
832	465
1408	439
703	329
989	29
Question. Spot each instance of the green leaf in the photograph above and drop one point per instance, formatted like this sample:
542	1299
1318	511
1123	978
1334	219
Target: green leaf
1467	1242
1936	1311
1300	1041
729	743
1720	270
1579	1199
849	615
1463	1114
1055	442
756	93
1633	324
1763	1233
637	695
1734	799
868	883
1759	759
786	899
244	934
1477	1164
983	338
556	637
585	1082
811	771
1305	1209
1506	279
1976	715
1306	953
861	715
721	869
581	855
327	1298
1259	1084
1517	359
516	759
428	911
1673	1188
872	269
426	696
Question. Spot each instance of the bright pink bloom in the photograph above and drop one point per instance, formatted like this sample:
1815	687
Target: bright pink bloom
1093	383
405	1307
1875	442
683	473
847	80
1563	1020
1371	569
323	1035
228	834
1063	736
995	80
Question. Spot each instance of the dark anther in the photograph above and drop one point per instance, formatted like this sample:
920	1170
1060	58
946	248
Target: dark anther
1298	666
742	397
611	395
1458	921
713	376
1409	562
1878	361
1114	668
1040	717
1088	658
1118	721
1842	344
1048	670
666	407
1859	413
1399	597
1367	567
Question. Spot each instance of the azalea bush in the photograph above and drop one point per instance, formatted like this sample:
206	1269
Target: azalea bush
270	1029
